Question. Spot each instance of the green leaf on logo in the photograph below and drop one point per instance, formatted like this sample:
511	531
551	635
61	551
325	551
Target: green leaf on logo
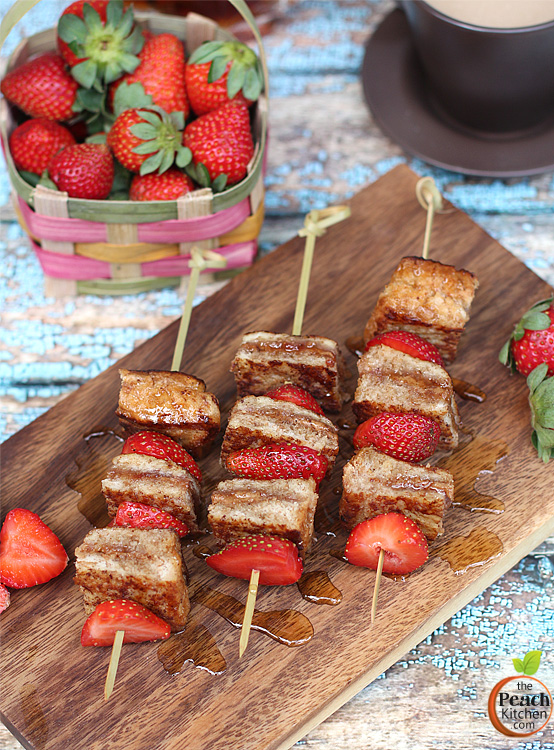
518	664
531	662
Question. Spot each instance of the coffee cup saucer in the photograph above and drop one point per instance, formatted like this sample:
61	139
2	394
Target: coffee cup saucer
394	89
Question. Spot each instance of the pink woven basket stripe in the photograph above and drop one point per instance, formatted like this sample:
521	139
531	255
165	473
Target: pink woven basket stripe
173	230
79	268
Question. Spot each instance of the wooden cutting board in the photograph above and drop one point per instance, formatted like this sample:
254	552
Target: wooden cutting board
52	688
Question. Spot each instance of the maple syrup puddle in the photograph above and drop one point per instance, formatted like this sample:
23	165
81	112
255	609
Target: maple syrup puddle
93	462
464	552
468	391
202	551
317	587
468	465
286	626
338	554
193	644
355	344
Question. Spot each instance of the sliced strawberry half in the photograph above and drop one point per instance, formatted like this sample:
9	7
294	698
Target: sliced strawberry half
142	516
277	560
295	395
404	543
138	622
408	437
409	343
279	461
161	446
4	598
30	552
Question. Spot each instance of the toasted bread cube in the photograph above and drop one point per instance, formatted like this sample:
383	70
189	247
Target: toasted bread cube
281	507
260	420
172	403
267	360
392	381
144	565
136	478
374	483
427	298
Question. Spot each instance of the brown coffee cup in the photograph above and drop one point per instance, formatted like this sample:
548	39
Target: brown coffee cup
495	80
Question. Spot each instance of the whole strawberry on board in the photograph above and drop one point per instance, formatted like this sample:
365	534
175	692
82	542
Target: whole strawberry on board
42	87
541	401
277	560
278	461
409	343
167	186
221	145
161	73
35	142
100	41
218	72
85	170
532	340
408	437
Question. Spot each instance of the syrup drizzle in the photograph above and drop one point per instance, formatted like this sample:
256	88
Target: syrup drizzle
193	644
464	552
286	626
202	551
468	391
355	344
317	587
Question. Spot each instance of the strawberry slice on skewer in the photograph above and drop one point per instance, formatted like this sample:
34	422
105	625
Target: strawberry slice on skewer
142	516
277	560
138	622
278	461
408	437
409	343
295	395
161	446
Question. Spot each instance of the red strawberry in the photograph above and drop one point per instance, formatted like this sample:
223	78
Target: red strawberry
277	560
85	170
161	73
148	141
35	142
295	395
218	72
139	624
408	343
408	437
532	341
160	187
161	446
42	88
142	516
404	544
278	461
221	144
4	598
30	553
99	41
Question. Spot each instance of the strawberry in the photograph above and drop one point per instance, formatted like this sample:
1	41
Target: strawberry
161	446
160	187
532	340
221	145
541	401
85	170
4	598
404	543
35	142
278	461
30	553
161	73
146	141
277	560
295	395
218	72
99	41
408	437
408	343
142	516
138	622
42	88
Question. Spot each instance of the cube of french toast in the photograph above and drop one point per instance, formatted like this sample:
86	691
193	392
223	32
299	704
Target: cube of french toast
392	381
173	403
144	565
281	507
163	484
266	360
374	483
427	298
260	420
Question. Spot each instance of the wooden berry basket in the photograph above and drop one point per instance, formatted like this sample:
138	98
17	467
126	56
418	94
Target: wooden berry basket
125	247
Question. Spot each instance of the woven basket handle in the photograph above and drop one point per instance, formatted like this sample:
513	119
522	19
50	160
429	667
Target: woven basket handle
20	8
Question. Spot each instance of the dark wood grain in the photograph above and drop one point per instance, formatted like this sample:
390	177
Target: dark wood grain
51	688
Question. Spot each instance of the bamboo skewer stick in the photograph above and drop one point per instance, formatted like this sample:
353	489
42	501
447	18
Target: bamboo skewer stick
315	225
114	662
430	199
377	583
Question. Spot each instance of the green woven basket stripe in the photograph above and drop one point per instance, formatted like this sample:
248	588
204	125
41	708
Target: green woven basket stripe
118	287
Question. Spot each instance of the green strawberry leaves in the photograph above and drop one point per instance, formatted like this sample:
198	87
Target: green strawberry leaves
199	173
162	137
541	402
535	319
245	73
530	663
